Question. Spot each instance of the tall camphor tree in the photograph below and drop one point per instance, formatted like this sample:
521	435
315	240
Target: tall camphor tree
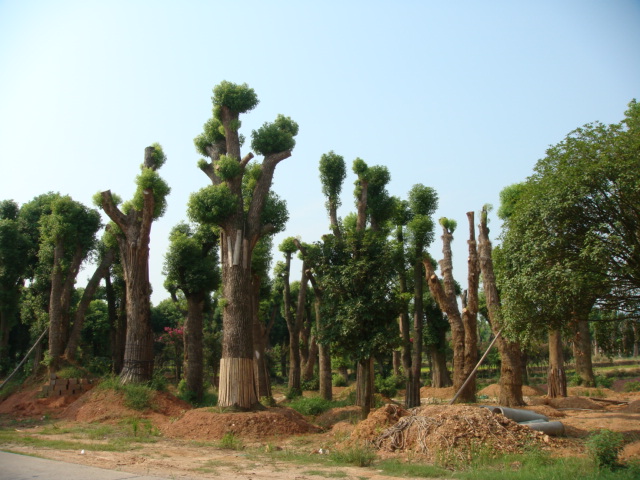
67	235
423	202
244	212
510	351
464	336
356	270
132	228
13	269
191	265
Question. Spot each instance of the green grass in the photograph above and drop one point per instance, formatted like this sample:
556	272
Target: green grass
230	441
326	474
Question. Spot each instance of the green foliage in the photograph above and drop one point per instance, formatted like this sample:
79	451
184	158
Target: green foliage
275	137
332	173
604	448
158	158
71	372
313	384
387	387
293	393
149	179
230	441
359	167
311	405
603	381
237	98
212	204
359	455
338	380
212	133
227	167
448	223
632	387
288	245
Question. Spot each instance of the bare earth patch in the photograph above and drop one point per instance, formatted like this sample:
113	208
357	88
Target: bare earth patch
188	446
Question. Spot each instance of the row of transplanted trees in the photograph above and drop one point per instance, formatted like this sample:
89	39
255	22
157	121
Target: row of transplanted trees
568	245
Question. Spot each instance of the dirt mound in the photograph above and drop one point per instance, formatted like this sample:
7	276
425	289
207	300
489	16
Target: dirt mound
494	391
575	403
590	392
633	407
378	420
454	433
109	406
28	403
439	393
546	410
207	424
335	415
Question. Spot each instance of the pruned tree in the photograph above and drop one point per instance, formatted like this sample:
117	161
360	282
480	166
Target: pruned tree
132	228
244	211
191	266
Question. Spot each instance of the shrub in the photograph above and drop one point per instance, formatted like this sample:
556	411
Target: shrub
338	380
71	372
359	456
632	387
293	393
311	406
386	386
230	442
311	385
604	448
138	397
604	382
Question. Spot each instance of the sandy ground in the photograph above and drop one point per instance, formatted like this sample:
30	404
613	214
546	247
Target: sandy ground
188	441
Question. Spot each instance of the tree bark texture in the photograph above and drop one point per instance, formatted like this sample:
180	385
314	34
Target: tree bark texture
293	325
193	344
445	295
440	377
133	240
78	323
260	338
308	367
364	387
556	378
470	313
62	281
582	351
412	398
510	352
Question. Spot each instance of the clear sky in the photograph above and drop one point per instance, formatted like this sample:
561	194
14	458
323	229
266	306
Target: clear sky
461	96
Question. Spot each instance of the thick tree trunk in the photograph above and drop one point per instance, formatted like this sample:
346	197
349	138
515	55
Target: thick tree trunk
556	378
470	314
412	398
118	323
101	271
293	324
440	377
308	367
237	382
364	387
510	352
193	345
582	351
60	301
260	338
397	362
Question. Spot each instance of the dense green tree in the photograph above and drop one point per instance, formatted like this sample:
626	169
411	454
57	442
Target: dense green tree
131	228
240	204
13	269
191	265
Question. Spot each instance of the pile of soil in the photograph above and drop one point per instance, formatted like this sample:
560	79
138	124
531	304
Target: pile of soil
493	390
28	403
445	393
445	432
108	406
378	420
334	416
579	403
633	407
546	410
207	424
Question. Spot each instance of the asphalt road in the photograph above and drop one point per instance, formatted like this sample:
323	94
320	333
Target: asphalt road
24	467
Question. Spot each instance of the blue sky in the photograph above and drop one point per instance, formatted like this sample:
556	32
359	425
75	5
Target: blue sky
463	97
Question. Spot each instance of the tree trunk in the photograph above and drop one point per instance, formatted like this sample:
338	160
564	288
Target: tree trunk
510	352
309	366
101	271
412	399
293	324
237	382
364	387
260	337
397	362
470	315
118	323
556	378
582	351
193	345
440	377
